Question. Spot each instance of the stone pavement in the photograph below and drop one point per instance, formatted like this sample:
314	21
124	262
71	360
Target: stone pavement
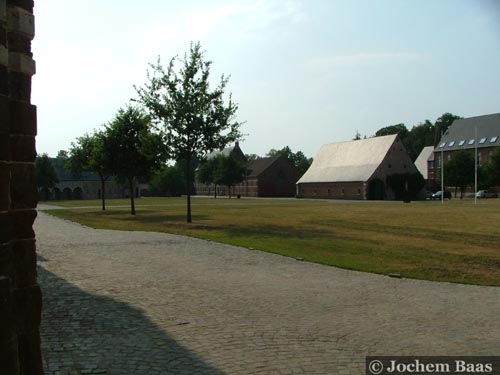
147	303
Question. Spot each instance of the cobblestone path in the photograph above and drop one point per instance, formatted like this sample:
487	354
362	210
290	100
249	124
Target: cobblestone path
147	303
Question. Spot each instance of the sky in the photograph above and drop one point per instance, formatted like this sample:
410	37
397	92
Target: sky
303	72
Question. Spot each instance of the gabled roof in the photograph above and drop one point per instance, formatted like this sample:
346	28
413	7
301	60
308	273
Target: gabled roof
462	133
427	154
257	166
228	151
348	161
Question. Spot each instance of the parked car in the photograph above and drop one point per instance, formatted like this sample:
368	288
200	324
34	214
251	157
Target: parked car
486	194
438	194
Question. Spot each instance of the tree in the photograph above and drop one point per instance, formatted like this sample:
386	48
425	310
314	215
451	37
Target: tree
195	119
228	171
443	123
167	182
88	155
459	171
420	136
298	159
489	172
399	129
206	173
45	173
133	149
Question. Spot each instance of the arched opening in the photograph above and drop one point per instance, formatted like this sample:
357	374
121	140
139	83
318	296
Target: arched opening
77	193
66	193
57	193
376	190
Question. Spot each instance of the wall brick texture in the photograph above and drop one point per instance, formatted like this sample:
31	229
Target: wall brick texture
20	295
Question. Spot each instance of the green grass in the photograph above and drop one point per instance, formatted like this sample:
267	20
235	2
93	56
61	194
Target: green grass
456	241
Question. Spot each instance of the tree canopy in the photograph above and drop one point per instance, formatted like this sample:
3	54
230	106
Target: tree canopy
45	173
134	150
298	159
88	155
194	119
459	171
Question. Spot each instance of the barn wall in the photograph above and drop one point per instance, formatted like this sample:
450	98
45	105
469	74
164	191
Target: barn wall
332	190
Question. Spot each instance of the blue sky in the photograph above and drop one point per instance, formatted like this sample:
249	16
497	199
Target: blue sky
304	73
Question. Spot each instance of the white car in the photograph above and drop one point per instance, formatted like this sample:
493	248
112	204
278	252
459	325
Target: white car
486	194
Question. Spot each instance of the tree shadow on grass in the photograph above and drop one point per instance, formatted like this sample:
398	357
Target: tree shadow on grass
88	334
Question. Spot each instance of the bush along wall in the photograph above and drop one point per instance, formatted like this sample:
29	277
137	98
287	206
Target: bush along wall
406	186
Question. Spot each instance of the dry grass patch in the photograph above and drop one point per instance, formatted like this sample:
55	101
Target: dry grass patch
457	241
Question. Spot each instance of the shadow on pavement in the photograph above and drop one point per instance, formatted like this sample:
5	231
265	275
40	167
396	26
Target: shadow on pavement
88	334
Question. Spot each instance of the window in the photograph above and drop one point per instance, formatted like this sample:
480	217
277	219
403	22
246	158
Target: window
471	142
442	145
449	157
493	139
461	143
482	140
451	144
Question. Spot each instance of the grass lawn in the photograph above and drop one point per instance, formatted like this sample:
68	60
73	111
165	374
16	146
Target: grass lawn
456	241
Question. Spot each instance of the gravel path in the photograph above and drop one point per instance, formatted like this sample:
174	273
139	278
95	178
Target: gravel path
148	303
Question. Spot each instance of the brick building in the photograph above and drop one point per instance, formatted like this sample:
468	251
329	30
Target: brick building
356	169
266	177
481	133
20	295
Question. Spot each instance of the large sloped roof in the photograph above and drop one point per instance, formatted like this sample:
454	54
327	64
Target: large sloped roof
348	161
257	166
425	155
479	131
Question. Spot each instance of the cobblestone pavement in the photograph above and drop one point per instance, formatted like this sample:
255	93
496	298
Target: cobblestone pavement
148	303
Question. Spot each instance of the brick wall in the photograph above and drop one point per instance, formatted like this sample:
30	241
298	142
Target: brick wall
20	296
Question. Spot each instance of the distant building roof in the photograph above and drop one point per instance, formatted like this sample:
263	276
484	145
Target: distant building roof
348	161
231	150
427	154
257	166
65	174
462	133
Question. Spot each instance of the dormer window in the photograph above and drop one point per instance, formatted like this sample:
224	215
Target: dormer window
482	140
493	139
471	142
461	143
442	145
451	144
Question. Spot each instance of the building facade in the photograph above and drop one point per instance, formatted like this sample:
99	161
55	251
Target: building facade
478	135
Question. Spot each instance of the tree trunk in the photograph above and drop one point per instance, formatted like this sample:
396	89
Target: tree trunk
215	191
188	189
103	198
132	202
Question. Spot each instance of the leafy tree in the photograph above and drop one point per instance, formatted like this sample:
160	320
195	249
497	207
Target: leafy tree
298	159
444	122
399	129
228	171
206	173
133	149
252	157
88	155
45	173
62	154
168	182
489	172
195	119
459	171
419	136
357	136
